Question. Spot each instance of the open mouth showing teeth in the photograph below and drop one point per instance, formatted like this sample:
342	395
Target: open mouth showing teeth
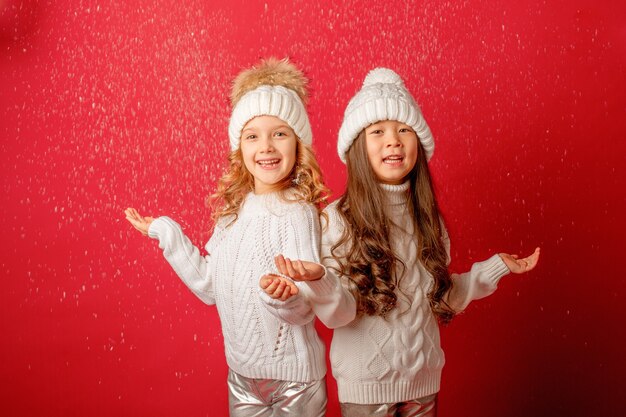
393	159
268	163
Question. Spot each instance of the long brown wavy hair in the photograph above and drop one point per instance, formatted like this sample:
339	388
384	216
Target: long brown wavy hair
305	179
364	252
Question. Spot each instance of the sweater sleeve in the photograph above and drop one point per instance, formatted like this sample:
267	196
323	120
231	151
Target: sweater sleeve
184	257
293	240
295	310
340	307
331	302
324	298
479	282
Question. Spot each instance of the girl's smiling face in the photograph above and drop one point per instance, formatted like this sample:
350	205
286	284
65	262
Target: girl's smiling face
391	149
268	146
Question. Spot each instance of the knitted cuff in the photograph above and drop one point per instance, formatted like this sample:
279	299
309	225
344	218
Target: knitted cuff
321	287
159	226
494	268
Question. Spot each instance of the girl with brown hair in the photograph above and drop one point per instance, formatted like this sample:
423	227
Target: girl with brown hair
386	241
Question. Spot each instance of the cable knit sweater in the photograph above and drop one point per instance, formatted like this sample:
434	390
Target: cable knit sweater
258	343
399	358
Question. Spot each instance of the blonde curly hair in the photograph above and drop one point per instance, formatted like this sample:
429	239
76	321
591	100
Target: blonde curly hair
305	179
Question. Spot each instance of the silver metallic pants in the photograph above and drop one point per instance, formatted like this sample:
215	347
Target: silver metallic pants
421	407
249	397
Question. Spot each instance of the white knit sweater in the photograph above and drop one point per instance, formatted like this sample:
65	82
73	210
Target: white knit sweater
258	344
399	358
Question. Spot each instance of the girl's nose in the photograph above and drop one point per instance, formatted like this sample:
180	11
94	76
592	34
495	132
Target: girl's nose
393	140
267	145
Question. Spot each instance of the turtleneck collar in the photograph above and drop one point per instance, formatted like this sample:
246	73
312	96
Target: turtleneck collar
276	202
396	194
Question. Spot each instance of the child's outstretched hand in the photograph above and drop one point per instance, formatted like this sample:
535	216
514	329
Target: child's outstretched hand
139	222
277	287
519	266
299	270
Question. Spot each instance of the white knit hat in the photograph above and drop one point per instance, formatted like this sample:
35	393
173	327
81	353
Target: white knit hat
274	88
382	97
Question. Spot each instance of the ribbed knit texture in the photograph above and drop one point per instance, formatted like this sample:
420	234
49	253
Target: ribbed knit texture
268	100
383	96
376	360
257	343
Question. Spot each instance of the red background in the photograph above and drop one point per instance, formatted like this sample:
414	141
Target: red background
106	105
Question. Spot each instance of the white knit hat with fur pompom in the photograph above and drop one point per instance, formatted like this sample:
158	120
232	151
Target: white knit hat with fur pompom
273	88
382	97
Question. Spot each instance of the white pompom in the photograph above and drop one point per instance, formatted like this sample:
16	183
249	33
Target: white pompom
382	76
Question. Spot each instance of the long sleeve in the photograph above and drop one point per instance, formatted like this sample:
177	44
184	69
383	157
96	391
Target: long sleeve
332	303
295	310
479	282
340	306
400	355
184	257
257	344
295	236
324	298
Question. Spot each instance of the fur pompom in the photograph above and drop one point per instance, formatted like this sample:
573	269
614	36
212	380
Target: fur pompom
273	72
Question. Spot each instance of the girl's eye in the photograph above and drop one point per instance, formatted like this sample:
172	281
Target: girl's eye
250	137
405	130
280	134
376	132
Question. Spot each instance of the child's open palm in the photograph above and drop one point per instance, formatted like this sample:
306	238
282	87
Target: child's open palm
519	266
138	221
299	270
277	287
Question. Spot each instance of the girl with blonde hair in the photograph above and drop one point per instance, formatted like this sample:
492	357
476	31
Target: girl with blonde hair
267	202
